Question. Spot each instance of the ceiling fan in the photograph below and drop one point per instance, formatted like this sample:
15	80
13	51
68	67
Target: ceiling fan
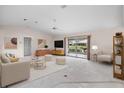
54	27
63	6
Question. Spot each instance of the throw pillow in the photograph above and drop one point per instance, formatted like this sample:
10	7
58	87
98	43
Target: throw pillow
10	55
4	59
13	59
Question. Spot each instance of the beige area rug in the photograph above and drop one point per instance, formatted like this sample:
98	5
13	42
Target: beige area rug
51	67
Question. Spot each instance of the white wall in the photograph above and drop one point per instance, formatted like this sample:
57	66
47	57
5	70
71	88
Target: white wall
103	38
20	33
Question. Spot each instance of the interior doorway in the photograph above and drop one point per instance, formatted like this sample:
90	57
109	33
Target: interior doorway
27	46
78	46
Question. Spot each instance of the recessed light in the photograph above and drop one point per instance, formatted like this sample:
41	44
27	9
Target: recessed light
63	6
54	28
25	19
65	75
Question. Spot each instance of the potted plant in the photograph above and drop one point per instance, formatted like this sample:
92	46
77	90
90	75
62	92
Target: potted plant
46	46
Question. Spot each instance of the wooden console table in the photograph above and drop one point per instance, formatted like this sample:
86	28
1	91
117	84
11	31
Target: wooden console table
45	52
42	52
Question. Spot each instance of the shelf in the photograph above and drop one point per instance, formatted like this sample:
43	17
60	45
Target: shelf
118	36
119	45
117	74
118	54
118	64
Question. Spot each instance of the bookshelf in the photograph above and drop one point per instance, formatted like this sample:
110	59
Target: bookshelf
118	56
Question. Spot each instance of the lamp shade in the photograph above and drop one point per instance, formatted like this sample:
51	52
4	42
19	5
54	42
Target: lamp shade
94	47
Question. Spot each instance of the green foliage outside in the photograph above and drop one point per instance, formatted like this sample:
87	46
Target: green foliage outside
81	49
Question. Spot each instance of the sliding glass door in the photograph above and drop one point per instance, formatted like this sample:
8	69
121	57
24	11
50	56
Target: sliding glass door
77	46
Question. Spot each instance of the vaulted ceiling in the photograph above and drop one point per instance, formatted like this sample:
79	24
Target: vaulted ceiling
58	19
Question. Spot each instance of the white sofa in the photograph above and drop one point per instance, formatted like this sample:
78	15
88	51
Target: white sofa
60	60
48	58
104	58
11	73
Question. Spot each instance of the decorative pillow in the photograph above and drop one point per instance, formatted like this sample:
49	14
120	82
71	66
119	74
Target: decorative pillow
4	59
10	55
13	59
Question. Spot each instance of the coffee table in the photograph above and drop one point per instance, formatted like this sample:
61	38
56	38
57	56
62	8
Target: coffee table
38	63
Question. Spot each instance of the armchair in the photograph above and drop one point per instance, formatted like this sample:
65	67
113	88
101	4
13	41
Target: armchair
13	72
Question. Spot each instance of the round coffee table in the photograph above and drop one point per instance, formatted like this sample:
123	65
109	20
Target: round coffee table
40	65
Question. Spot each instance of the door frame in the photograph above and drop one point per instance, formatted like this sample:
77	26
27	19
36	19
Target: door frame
24	44
88	45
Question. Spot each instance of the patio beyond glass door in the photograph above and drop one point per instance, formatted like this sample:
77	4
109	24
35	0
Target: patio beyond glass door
77	47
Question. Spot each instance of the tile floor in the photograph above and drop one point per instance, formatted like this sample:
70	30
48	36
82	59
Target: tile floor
80	73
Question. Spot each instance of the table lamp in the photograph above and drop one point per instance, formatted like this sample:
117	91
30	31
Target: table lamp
94	48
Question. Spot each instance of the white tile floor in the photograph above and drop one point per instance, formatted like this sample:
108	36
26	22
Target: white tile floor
77	55
80	73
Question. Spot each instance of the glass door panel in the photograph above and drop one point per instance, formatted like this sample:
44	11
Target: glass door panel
81	48
77	47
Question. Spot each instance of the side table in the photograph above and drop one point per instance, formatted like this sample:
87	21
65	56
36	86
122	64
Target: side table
38	63
94	56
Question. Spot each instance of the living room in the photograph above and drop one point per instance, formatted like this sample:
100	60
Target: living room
54	45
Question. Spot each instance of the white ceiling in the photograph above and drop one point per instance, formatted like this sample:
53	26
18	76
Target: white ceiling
71	19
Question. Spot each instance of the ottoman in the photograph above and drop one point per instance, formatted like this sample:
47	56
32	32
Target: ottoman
48	57
60	61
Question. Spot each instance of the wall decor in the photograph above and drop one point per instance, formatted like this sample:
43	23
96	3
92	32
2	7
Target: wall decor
10	43
41	43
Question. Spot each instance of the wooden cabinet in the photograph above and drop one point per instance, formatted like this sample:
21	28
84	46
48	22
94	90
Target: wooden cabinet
118	57
43	52
58	52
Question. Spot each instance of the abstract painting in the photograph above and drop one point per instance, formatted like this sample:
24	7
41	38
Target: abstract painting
41	43
10	43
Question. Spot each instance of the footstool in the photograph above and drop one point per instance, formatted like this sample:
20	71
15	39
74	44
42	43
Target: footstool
60	61
40	65
48	57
